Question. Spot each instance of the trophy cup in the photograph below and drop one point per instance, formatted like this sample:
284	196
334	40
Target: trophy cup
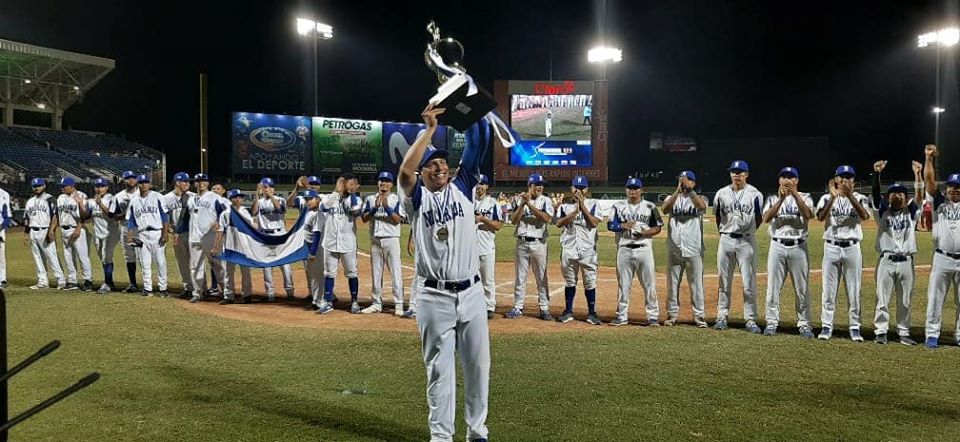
465	102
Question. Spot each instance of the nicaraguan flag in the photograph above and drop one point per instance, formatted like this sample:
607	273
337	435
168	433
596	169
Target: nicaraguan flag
244	245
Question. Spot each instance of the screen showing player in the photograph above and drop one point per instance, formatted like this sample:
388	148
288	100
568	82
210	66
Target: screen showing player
552	117
550	153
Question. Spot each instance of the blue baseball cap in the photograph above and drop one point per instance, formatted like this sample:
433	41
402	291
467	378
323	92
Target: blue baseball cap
536	179
201	177
845	170
37	182
128	174
67	181
898	188
739	165
789	171
580	182
483	179
634	183
688	174
143	178
100	182
310	193
385	176
234	193
182	176
953	179
313	180
431	153
266	182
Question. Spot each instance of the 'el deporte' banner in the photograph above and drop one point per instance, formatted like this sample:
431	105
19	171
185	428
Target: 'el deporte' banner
267	144
342	145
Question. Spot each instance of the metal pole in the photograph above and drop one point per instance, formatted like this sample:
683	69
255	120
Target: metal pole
316	88
936	118
203	124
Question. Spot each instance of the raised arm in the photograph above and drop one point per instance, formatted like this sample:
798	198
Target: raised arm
917	182
875	191
929	170
408	168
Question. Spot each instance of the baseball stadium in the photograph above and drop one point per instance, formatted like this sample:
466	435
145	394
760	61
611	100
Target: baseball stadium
322	221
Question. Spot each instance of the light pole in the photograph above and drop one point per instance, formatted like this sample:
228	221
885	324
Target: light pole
601	56
945	37
307	27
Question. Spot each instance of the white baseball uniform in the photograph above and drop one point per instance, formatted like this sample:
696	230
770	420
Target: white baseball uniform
487	249
841	255
532	236
340	239
896	244
74	250
5	217
385	246
578	244
229	268
314	267
106	231
174	204
37	218
272	222
945	272
738	213
788	254
119	205
635	255
685	248
148	217
205	210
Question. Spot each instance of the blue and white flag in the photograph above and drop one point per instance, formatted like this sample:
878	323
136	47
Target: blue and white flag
245	245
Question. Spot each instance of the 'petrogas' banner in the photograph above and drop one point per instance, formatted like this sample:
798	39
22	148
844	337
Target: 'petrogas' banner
397	138
341	145
266	144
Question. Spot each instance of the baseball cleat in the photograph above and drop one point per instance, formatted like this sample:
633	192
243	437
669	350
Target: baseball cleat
245	299
87	286
164	294
618	322
104	289
71	286
355	308
931	343
545	315
290	295
399	312
670	322
271	298
409	314
701	323
195	299
513	314
489	315
310	307
38	287
482	439
806	332
132	288
752	327
593	319
565	317
326	308
225	301
770	330
825	333
880	339
855	335
3	284
374	308
721	324
146	294
905	340
59	286
653	323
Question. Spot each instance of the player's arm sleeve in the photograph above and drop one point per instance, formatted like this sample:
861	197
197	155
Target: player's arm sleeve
315	244
496	212
163	213
5	213
131	220
614	224
875	195
757	210
914	209
478	140
717	209
655	218
219	207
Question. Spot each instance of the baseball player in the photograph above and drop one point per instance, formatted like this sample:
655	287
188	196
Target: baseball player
842	211
548	124
685	247
341	209
384	213
40	223
5	214
74	235
532	214
118	207
787	215
450	303
737	209
578	221
309	201
106	230
635	222
270	211
204	209
228	268
945	271
896	244
487	213
174	203
147	227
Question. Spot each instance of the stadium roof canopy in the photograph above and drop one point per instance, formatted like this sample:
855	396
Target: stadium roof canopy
40	79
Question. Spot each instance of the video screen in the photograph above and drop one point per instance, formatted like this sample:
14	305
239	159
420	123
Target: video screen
550	153
552	117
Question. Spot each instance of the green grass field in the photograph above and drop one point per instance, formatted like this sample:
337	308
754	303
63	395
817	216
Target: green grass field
172	374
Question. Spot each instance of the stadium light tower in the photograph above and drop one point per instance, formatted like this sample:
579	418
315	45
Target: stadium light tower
602	56
944	38
320	31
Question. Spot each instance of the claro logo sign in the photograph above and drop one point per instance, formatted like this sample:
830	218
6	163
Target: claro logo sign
273	138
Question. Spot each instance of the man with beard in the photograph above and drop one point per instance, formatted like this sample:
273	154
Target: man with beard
74	236
118	207
175	201
384	213
40	223
148	221
106	230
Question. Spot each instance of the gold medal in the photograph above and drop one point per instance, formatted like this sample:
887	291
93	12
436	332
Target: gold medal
443	233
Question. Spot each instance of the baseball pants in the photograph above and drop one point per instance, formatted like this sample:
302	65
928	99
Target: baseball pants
106	247
636	262
43	250
416	286
795	261
332	261
677	264
573	265
151	252
314	270
229	280
849	262
182	252
893	277
386	250
733	252
450	323
944	275
3	255
488	265
287	280
129	251
533	255
199	254
75	251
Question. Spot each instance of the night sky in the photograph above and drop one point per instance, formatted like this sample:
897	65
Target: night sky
845	70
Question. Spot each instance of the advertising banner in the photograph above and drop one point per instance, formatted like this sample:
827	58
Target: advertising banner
398	137
267	144
344	145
